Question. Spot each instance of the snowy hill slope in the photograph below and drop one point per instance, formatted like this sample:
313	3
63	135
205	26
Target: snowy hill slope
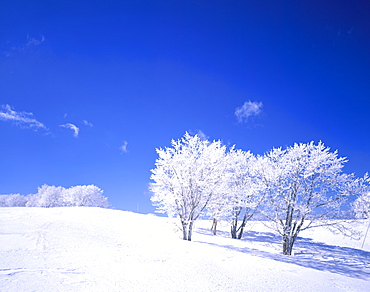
92	249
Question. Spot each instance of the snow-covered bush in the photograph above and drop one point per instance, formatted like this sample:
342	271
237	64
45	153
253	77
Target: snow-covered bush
89	196
52	196
13	200
362	206
47	196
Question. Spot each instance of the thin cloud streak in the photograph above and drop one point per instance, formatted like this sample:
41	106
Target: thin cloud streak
247	110
73	127
22	119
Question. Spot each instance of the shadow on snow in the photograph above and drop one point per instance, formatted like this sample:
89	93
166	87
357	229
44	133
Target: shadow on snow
346	261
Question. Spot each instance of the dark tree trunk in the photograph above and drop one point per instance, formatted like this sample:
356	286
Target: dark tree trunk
233	231
214	226
288	242
190	230
241	231
185	231
244	222
234	224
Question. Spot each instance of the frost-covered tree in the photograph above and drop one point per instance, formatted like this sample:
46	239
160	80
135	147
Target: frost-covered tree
186	178
46	196
3	201
305	187
361	208
86	195
52	196
240	198
13	200
244	189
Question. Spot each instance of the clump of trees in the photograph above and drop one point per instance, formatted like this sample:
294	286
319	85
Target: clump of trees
13	200
300	187
52	196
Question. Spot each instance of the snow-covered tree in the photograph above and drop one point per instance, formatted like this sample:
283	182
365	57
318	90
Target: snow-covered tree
362	206
3	202
240	198
47	196
304	187
243	189
52	196
86	195
187	177
13	200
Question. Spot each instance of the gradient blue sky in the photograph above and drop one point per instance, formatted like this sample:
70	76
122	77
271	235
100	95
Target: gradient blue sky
89	89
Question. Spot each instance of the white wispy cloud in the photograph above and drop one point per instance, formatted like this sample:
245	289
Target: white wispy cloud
200	134
86	123
31	41
73	127
123	147
22	119
247	110
29	45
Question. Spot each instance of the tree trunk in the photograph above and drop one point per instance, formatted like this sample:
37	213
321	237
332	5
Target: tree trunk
234	222
241	231
214	226
190	230
184	231
288	243
241	228
233	231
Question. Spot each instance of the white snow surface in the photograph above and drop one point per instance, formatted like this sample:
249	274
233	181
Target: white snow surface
94	249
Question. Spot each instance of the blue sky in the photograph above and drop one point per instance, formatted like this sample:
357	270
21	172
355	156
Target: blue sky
89	89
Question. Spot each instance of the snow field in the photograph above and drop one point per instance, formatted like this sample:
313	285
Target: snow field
93	249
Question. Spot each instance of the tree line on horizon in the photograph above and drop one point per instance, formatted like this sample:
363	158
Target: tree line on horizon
52	196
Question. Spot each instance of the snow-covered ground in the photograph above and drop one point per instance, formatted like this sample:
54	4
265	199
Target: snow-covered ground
93	249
